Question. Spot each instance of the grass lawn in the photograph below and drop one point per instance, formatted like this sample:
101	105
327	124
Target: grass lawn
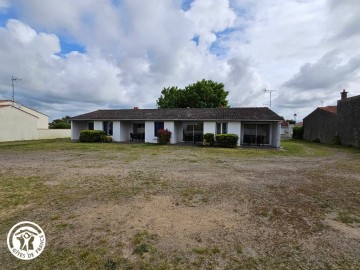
140	206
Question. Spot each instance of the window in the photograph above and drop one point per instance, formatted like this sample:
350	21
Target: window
256	133
221	128
91	126
157	126
108	127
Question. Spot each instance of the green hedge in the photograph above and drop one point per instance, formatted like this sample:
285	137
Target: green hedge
209	139
94	136
227	140
298	132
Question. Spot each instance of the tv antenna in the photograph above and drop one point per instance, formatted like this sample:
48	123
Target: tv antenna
269	91
13	80
322	103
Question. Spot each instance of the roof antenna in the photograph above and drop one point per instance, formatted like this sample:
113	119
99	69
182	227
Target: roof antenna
269	91
13	80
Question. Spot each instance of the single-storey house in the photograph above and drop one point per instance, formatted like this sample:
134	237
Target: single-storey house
186	124
286	129
18	123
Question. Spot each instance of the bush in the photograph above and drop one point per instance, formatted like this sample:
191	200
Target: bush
163	136
298	133
60	125
93	136
208	139
227	140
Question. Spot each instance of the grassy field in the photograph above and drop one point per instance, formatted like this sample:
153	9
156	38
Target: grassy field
140	206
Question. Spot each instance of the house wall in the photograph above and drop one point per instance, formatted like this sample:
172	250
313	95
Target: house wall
320	124
76	127
209	127
170	125
98	125
348	112
235	128
275	132
149	132
18	125
125	129
42	121
116	131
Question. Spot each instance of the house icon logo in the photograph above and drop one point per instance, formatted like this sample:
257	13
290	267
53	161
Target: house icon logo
26	240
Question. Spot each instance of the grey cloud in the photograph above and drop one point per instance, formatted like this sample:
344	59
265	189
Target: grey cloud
325	73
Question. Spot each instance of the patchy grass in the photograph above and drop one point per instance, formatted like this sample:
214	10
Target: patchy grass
141	206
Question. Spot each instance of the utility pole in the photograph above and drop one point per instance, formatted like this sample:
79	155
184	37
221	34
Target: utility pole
13	80
269	91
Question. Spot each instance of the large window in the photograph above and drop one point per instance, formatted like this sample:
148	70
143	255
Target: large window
157	126
221	128
256	134
108	127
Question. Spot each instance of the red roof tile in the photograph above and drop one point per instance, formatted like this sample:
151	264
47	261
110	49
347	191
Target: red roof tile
332	109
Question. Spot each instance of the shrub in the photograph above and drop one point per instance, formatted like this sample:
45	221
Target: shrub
298	133
227	140
163	136
209	139
60	125
316	140
93	136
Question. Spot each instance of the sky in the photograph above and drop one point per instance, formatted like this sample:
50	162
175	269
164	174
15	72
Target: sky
78	56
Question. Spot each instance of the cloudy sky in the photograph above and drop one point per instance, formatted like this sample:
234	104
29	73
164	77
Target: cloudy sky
77	56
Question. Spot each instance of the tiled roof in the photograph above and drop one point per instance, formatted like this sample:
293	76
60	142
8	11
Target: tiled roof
284	123
332	109
255	114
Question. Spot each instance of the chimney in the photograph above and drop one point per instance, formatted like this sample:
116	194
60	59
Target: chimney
343	95
136	108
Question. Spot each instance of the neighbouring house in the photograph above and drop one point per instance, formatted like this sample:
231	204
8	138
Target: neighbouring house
333	124
18	122
187	125
286	129
321	125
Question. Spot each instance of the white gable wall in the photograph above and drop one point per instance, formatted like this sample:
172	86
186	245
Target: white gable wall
16	125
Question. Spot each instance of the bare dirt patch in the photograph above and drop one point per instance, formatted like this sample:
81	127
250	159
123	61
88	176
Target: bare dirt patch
165	207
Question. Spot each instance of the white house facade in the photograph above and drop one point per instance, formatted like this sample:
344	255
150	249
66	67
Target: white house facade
254	126
18	123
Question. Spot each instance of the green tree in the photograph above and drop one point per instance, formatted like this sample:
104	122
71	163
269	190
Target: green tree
63	123
202	94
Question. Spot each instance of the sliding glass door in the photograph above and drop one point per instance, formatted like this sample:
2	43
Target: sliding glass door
256	134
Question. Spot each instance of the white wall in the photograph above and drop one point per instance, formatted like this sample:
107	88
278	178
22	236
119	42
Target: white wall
210	127
170	125
125	129
149	132
76	127
42	119
276	134
98	125
17	125
116	131
53	133
235	128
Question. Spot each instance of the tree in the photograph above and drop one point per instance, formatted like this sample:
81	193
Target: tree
202	94
63	123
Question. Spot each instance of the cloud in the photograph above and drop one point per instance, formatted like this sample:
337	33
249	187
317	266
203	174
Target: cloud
131	49
332	69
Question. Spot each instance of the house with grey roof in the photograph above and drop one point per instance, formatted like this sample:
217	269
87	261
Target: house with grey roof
252	125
